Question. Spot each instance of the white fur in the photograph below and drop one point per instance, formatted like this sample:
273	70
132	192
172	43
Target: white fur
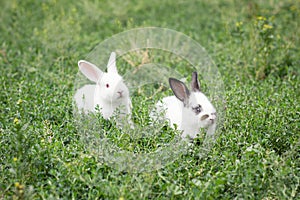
109	91
179	111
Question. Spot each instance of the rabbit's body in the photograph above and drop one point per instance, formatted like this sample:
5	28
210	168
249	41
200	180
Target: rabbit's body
189	111
108	93
84	98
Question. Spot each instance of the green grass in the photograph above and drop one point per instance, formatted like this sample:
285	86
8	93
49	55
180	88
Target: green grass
255	47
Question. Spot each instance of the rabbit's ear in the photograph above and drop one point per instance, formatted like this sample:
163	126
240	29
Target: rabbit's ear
195	83
111	66
90	70
180	90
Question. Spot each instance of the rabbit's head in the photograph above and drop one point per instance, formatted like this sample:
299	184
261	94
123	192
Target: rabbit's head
197	109
110	87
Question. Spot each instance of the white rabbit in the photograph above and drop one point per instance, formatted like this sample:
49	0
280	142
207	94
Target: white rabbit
189	110
109	91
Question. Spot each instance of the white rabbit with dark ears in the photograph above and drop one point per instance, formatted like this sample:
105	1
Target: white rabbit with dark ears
109	91
188	110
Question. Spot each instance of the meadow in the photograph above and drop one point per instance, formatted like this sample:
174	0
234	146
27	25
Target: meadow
255	47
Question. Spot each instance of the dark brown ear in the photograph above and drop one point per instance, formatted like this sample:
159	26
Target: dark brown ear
195	84
180	90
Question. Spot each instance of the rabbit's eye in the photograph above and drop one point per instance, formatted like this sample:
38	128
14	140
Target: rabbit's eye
197	109
107	85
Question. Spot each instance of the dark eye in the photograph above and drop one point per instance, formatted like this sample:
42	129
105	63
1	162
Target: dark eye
197	109
107	85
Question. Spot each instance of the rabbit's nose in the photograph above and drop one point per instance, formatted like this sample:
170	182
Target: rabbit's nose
120	93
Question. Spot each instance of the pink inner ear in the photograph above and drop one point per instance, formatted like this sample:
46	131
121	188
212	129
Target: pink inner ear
180	90
90	71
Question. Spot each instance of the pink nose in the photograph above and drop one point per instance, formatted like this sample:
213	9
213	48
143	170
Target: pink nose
120	93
